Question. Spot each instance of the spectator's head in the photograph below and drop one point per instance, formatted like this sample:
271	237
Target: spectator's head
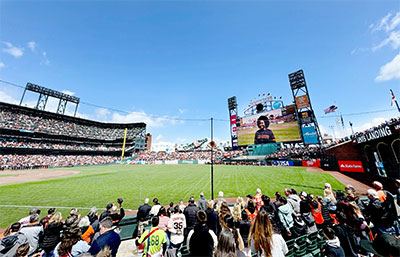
350	190
210	204
372	194
220	194
171	204
201	194
109	206
303	195
287	191
71	221
84	222
105	224
251	206
397	183
177	209
155	201
57	217
113	209
154	221
181	202
146	201
328	186
237	210
51	211
293	191
282	200
191	200
34	218
15	227
34	211
277	195
22	250
244	215
377	185
201	217
162	211
258	191
226	244
265	199
329	233
74	212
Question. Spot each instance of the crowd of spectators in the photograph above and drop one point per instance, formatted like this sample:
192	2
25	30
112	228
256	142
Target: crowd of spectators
357	134
16	162
31	122
14	143
179	155
256	225
299	153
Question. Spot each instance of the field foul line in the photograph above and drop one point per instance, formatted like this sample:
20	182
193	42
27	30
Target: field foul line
39	206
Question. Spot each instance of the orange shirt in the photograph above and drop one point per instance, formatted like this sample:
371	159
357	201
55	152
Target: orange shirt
381	195
316	213
88	233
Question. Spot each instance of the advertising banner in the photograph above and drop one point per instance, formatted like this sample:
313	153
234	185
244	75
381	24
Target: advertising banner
233	119
309	135
302	102
283	163
313	163
306	117
352	166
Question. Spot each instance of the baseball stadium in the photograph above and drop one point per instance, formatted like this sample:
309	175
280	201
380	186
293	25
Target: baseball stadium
95	175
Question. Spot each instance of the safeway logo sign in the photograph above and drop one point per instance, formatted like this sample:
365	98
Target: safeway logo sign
352	166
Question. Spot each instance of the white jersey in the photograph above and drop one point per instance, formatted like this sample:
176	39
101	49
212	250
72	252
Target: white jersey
176	225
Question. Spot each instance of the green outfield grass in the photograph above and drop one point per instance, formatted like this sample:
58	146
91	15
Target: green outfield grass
99	185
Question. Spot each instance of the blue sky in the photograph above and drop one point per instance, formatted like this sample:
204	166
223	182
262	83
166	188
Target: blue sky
182	59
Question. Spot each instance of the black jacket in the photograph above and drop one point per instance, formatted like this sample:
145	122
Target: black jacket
190	215
52	234
143	212
212	219
201	242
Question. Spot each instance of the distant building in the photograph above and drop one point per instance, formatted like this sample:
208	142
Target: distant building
148	142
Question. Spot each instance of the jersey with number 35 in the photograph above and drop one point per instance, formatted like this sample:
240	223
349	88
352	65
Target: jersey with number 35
176	225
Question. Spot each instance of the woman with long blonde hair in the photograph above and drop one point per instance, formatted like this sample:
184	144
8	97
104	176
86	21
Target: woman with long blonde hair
52	233
264	240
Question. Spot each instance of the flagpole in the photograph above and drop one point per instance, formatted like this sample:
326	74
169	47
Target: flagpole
394	99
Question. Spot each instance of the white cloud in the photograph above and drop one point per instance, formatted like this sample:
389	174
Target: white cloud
158	138
182	111
32	46
383	24
13	50
67	92
2	65
102	114
7	98
390	70
151	122
393	39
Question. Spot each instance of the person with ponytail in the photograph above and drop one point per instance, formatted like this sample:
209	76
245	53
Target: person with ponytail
264	240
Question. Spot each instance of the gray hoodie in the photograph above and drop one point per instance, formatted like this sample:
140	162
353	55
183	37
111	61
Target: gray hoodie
294	202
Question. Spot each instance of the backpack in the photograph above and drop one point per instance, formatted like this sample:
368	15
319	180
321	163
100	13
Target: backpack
299	226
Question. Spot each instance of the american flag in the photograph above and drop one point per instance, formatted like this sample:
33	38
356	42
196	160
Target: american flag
330	109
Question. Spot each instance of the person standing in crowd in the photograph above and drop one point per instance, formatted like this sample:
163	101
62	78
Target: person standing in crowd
142	214
226	246
176	226
25	221
71	242
14	239
115	215
33	231
201	241
305	212
328	193
52	233
244	230
106	212
263	240
316	212
379	189
332	248
293	200
154	240
190	215
107	237
156	207
212	216
258	199
182	206
163	219
202	202
170	210
285	214
352	196
46	219
375	212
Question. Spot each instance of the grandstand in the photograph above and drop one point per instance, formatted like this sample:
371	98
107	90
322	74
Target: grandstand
31	138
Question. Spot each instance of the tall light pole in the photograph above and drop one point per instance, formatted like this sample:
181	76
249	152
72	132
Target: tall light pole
212	158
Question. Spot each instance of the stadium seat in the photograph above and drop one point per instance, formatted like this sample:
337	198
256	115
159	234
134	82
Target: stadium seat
300	247
321	239
290	246
312	244
128	225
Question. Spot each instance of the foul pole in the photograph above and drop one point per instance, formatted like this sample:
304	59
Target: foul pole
123	145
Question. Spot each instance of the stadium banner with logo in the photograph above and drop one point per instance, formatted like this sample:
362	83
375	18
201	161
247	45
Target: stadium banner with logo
313	163
171	162
306	117
309	135
376	133
302	102
283	163
351	166
187	162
